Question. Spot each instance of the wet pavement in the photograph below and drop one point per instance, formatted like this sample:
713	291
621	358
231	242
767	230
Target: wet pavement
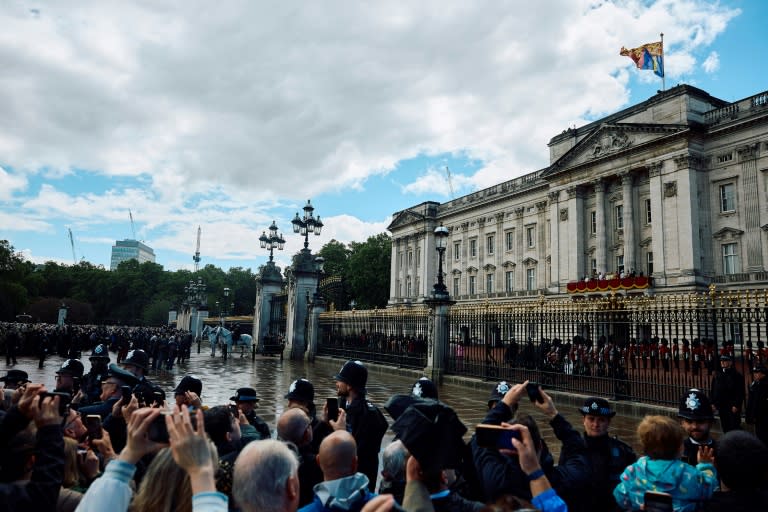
271	378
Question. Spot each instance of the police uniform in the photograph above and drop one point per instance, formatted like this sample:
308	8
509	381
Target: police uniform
145	390
365	421
728	392
608	457
249	395
92	380
757	404
695	406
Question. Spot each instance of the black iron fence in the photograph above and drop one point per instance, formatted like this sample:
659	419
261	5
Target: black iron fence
396	337
642	348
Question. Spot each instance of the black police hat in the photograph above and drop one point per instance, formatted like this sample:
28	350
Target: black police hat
244	395
15	376
189	383
301	390
760	369
72	367
354	374
123	375
726	357
595	406
498	392
695	405
100	352
137	358
424	388
432	432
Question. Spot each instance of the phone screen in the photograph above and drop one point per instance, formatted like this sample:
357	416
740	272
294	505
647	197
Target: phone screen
93	425
158	430
333	408
495	437
533	392
64	400
658	502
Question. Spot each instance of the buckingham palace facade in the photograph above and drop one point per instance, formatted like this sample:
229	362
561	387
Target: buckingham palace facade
672	192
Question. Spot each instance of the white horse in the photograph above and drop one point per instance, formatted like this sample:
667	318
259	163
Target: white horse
210	332
224	336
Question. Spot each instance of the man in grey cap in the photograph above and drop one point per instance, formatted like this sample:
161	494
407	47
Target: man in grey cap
727	394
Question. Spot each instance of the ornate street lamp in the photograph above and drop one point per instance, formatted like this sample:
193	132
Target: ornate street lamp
224	304
273	241
441	238
308	224
319	261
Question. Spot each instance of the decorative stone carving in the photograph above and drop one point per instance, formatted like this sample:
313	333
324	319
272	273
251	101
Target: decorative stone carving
654	169
564	214
464	226
519	212
500	217
481	222
688	161
670	189
573	192
748	151
553	196
610	142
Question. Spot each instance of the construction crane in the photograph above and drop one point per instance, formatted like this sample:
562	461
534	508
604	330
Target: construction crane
72	243
450	182
196	257
133	228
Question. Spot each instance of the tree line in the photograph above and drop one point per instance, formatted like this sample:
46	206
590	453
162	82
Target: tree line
143	294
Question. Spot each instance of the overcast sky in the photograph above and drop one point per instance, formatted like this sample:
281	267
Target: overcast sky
229	115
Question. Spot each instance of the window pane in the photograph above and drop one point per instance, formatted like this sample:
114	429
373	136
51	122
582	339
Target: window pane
620	217
489	243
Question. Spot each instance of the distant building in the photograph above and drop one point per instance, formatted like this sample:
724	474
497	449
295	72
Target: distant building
125	250
673	189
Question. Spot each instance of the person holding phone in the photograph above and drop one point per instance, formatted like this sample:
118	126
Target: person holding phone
501	472
112	387
301	394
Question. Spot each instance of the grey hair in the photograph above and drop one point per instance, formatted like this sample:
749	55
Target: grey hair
261	472
292	425
393	461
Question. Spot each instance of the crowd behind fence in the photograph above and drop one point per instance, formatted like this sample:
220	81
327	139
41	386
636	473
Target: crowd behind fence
641	348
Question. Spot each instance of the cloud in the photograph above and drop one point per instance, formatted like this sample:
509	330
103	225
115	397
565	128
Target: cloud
711	63
227	111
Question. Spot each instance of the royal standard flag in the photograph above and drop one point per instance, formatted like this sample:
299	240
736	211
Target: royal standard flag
648	56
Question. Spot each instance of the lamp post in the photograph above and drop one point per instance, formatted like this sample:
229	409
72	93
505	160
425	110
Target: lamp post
194	299
309	223
273	241
441	238
224	303
319	261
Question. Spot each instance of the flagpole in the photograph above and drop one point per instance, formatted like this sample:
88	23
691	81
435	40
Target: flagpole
664	74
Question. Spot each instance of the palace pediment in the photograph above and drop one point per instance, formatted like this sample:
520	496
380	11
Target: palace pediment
405	218
609	140
727	234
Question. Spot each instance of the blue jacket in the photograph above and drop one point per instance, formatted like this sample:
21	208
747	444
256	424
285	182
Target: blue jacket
348	494
688	486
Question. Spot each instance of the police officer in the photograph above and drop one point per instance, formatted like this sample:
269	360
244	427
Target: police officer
728	394
361	418
145	390
91	388
111	391
246	399
69	377
301	393
696	417
608	455
757	404
424	388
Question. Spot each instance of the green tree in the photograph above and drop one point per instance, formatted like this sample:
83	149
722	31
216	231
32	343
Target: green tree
368	271
14	296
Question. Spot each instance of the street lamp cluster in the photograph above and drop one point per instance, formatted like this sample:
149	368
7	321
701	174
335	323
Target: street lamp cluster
195	292
274	240
308	224
441	238
223	312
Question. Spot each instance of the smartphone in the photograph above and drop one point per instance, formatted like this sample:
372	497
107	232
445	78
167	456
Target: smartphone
64	400
495	437
126	390
533	392
93	425
333	408
658	502
158	431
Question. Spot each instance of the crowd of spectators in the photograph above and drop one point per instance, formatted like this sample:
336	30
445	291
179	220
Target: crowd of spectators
110	439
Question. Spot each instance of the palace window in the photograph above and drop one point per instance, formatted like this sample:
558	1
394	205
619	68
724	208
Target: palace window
727	198
730	259
457	251
593	222
489	283
620	264
510	240
647	211
509	280
530	236
649	263
530	279
473	248
619	216
456	284
489	243
472	285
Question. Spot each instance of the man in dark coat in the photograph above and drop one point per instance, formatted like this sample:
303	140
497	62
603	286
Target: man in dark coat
740	465
501	474
111	392
246	400
361	418
608	456
757	403
91	387
728	394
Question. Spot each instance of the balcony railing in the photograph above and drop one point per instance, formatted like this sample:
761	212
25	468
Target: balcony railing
608	285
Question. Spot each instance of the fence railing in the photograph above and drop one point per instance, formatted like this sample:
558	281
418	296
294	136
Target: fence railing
643	348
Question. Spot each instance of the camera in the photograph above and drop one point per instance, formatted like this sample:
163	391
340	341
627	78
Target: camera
64	400
532	388
495	437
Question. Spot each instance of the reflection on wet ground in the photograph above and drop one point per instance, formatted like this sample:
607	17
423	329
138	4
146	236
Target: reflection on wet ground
271	378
